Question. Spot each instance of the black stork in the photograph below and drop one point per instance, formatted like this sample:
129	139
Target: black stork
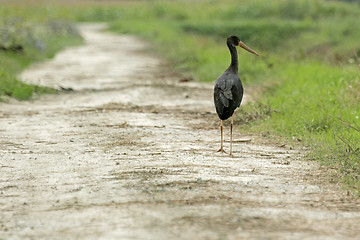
228	90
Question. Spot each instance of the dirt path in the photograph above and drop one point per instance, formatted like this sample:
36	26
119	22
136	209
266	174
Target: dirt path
130	154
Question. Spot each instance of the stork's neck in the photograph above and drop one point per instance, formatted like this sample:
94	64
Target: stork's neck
234	58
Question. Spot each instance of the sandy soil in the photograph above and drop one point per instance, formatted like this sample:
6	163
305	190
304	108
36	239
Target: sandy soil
131	154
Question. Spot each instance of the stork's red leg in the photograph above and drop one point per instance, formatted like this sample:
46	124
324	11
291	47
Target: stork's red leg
231	128
221	129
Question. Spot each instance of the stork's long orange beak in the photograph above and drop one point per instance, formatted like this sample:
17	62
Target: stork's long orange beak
241	44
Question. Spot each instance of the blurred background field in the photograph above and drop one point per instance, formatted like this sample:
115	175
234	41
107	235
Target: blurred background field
29	33
307	75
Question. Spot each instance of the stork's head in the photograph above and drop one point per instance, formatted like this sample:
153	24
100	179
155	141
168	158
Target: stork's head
235	41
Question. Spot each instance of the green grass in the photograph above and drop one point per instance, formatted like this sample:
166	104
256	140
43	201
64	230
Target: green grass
308	68
313	103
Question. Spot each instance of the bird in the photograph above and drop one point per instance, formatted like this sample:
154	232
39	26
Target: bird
228	89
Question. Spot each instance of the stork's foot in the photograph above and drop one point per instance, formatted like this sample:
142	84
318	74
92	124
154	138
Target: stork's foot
221	150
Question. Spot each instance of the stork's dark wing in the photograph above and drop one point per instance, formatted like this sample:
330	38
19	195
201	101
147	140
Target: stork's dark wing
228	92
